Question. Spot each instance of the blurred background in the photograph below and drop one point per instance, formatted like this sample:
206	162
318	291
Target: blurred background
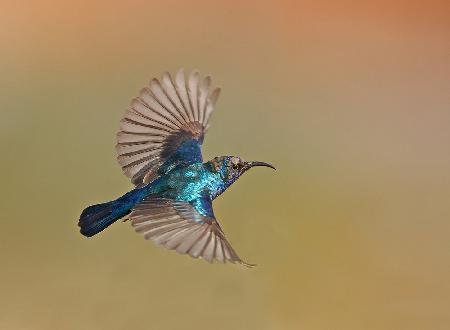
348	99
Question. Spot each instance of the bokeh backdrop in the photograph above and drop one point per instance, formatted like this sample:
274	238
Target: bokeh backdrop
349	99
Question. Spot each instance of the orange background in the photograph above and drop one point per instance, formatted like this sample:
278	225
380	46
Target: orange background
349	99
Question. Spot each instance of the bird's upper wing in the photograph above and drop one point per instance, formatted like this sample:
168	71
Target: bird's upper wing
165	125
188	228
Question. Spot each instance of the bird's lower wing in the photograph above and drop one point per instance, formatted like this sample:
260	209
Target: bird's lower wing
177	225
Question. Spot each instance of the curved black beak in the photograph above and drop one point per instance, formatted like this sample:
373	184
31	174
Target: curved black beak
249	165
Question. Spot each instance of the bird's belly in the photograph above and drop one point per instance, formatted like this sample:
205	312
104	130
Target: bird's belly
185	185
188	188
186	191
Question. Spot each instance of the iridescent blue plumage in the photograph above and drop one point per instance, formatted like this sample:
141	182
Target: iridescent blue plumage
159	147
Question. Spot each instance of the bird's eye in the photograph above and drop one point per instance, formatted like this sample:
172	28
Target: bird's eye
235	163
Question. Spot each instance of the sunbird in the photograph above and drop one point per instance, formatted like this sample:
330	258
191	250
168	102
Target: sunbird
159	149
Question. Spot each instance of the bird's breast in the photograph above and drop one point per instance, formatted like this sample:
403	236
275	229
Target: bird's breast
189	184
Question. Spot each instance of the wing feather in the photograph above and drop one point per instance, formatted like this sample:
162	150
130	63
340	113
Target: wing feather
173	96
160	121
165	103
182	93
178	226
202	97
193	93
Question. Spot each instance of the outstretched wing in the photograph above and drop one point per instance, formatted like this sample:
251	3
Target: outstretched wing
188	228
165	125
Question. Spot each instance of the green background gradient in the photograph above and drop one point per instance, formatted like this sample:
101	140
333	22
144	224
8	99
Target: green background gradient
349	100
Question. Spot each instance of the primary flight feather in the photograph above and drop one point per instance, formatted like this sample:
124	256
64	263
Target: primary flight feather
159	149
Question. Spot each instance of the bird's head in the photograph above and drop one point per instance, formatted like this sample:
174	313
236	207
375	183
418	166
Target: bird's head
231	168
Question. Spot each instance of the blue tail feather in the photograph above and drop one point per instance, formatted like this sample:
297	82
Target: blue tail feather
96	218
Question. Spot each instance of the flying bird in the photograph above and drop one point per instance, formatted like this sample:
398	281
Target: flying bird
159	149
